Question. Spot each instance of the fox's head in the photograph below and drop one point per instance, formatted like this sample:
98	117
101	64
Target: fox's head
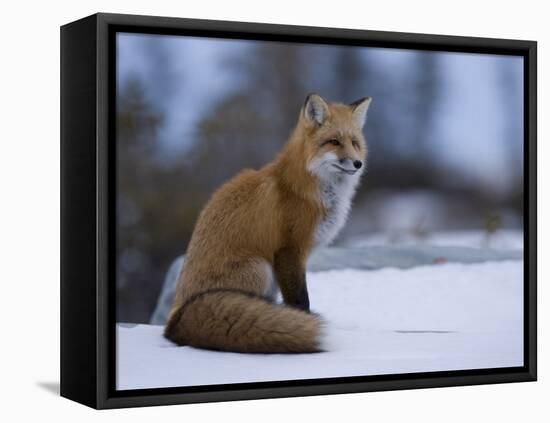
334	141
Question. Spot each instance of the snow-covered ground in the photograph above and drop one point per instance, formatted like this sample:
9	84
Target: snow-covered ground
503	239
441	317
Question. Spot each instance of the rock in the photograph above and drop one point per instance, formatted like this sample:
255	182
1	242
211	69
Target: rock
166	296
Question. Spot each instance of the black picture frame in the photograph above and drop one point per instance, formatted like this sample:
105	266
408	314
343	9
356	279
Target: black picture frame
88	210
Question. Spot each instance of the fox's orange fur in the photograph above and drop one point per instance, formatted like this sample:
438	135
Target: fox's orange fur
256	233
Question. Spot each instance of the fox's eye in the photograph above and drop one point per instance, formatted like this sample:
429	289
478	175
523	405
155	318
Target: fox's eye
334	141
355	144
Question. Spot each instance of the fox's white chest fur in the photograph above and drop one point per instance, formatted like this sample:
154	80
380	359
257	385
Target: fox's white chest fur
336	195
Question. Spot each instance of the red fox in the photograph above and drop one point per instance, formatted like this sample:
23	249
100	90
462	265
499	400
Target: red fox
255	234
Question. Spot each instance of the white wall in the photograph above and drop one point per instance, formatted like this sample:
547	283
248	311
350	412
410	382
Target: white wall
29	223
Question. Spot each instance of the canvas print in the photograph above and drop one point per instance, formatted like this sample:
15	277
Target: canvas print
293	211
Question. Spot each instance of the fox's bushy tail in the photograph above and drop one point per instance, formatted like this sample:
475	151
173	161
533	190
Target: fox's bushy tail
231	320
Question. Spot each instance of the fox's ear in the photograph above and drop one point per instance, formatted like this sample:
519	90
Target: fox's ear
315	109
360	108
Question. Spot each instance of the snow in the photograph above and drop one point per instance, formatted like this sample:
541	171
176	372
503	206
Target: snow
361	258
502	240
430	318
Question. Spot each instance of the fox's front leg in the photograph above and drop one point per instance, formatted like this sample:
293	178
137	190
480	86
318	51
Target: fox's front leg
290	273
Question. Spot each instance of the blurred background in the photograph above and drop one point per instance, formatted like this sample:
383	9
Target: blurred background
445	135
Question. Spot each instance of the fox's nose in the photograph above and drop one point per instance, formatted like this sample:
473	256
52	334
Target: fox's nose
357	164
